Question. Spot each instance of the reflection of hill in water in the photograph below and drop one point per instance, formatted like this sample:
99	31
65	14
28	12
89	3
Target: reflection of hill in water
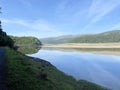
29	50
109	51
60	49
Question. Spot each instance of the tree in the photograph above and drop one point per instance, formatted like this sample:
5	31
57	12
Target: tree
4	39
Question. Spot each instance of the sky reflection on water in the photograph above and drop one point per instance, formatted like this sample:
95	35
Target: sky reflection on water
98	68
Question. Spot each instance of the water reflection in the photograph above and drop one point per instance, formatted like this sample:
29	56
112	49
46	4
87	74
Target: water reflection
29	49
98	68
108	51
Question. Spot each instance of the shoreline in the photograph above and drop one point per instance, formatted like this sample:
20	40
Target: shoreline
96	48
42	73
84	45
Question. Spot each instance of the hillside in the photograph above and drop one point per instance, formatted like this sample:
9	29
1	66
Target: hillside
105	37
25	41
27	45
28	73
56	40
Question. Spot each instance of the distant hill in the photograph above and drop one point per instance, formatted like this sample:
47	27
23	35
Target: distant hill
105	37
57	40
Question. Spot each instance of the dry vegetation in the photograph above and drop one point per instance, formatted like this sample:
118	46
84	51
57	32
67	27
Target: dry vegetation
84	45
98	48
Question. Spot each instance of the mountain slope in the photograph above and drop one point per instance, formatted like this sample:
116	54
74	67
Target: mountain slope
105	37
57	40
24	41
26	45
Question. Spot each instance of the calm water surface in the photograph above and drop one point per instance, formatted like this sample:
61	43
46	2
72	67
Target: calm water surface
101	69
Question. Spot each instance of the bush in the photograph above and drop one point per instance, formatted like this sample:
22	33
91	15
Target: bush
5	40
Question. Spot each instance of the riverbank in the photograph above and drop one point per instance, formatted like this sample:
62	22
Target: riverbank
97	48
28	73
84	45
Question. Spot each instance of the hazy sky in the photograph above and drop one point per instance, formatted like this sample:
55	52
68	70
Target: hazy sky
45	18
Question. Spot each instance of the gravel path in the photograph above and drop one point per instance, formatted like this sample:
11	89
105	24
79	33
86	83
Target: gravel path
2	55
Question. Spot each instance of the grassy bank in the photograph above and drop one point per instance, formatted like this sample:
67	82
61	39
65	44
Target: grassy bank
27	73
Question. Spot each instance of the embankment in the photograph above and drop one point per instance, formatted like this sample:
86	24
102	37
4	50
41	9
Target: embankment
28	73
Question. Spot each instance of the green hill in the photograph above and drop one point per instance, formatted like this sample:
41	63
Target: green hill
105	37
26	41
27	45
56	40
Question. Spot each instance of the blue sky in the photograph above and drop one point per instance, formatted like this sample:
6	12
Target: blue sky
46	18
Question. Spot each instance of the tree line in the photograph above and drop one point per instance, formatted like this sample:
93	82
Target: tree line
5	40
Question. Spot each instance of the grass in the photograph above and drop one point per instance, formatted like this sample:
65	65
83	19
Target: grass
25	73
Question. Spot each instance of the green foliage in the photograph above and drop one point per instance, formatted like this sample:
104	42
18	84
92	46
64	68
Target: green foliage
25	73
27	45
26	41
88	85
5	40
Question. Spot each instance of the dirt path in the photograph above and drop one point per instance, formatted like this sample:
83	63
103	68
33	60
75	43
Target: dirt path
2	55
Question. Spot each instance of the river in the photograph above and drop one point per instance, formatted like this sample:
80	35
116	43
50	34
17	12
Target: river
98	68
